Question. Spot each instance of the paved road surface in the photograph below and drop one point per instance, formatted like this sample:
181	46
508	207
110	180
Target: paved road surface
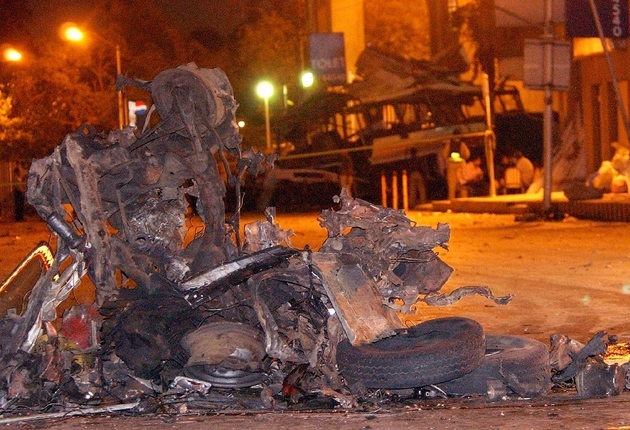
570	277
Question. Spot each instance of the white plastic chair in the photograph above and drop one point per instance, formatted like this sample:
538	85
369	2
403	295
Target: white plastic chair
513	182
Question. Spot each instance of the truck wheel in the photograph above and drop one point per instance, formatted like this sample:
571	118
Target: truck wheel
428	353
521	364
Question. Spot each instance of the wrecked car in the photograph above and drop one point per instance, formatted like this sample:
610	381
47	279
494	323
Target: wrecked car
183	311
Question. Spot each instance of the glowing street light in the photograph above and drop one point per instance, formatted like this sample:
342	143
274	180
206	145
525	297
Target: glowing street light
265	90
308	79
11	54
73	33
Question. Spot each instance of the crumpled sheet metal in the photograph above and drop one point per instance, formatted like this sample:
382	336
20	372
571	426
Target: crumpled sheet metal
563	348
386	224
396	253
139	185
439	299
261	235
584	363
389	246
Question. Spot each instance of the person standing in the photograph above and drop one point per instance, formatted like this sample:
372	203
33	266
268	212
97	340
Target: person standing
455	153
19	189
417	188
346	176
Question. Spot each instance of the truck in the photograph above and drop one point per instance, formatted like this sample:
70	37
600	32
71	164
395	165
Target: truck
398	117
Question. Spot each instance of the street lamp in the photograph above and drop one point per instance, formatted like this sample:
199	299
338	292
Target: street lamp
11	54
308	79
74	34
265	90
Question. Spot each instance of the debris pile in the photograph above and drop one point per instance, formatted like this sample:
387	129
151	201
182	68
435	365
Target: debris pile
182	320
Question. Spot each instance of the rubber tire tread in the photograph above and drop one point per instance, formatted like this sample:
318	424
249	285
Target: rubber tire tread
426	354
522	364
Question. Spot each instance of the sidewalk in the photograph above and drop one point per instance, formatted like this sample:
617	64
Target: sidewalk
611	207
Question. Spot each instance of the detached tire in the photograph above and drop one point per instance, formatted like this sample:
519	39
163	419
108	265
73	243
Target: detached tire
519	363
429	353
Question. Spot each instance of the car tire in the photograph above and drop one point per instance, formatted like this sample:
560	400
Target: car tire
428	353
519	363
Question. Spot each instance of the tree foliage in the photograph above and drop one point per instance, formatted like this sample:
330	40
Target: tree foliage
398	26
13	130
13	16
269	48
51	96
65	85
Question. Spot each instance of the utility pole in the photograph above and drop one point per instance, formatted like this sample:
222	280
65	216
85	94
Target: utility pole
548	112
440	32
487	30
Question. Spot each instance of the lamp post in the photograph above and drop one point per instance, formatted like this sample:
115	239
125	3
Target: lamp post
75	34
265	90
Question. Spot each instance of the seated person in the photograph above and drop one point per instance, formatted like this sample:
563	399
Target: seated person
526	167
470	178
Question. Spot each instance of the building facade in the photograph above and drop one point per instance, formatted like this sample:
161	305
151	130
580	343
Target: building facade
603	118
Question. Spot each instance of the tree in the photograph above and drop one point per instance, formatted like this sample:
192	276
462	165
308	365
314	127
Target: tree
399	27
51	97
13	131
269	48
66	84
13	16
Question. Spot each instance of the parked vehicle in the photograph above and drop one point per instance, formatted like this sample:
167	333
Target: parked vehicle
399	117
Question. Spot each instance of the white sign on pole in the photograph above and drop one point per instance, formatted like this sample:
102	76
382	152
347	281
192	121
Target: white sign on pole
534	55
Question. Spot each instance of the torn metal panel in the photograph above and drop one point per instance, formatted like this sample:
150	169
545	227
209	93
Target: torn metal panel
354	296
274	344
563	349
47	293
22	279
265	234
215	281
92	218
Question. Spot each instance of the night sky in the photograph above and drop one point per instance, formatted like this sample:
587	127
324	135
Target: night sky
188	14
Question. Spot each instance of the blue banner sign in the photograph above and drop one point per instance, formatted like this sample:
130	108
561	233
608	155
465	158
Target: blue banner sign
613	15
328	57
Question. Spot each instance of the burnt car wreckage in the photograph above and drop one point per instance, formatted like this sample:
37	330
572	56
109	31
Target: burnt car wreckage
185	321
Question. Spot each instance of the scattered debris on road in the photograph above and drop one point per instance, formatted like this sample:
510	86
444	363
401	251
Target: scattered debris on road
213	320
